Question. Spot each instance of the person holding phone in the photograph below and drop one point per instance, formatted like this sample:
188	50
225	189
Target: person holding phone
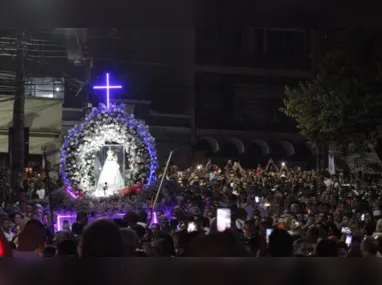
223	219
293	228
66	226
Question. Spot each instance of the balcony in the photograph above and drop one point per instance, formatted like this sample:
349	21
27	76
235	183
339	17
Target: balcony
45	87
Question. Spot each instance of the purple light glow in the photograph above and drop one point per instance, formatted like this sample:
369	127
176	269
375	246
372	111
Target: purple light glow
155	218
68	190
107	87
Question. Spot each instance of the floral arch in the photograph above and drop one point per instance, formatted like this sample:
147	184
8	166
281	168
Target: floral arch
102	126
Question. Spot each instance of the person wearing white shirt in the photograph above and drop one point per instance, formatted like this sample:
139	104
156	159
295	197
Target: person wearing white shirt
41	193
378	228
241	218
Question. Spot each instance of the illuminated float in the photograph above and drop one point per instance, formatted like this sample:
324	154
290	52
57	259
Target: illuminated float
109	151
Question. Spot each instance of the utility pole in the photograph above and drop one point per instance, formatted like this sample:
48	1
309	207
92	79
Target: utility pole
18	140
88	88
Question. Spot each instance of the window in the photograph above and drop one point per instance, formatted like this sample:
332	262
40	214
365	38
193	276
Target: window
45	87
285	44
258	41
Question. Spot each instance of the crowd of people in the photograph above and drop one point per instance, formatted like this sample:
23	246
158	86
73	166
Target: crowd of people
271	211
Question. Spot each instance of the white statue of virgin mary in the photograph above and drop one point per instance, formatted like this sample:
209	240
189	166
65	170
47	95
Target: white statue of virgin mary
111	174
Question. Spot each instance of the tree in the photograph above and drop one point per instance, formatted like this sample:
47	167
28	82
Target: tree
341	106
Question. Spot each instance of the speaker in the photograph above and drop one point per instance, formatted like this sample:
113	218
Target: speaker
26	146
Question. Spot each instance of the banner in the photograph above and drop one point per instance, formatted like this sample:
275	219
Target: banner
332	167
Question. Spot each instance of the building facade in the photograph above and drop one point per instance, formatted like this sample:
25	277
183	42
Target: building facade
206	92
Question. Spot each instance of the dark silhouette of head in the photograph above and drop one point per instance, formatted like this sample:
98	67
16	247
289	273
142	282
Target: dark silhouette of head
82	217
313	235
280	244
102	238
369	247
67	248
215	245
49	251
327	248
32	237
131	218
163	244
142	216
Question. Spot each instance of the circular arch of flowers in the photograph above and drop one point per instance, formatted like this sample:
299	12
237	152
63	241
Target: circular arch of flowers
107	125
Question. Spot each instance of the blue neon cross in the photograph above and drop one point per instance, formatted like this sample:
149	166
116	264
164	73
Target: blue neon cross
108	87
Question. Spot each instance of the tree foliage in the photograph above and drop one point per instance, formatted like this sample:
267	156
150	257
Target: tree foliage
342	105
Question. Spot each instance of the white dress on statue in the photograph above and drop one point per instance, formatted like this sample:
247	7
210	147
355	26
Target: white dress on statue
111	174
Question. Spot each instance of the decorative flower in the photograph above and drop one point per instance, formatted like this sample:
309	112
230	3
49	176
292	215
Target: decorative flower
106	125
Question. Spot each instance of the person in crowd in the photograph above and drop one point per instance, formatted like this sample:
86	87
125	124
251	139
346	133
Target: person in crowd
342	249
309	211
161	247
38	210
5	246
369	247
248	232
16	219
131	219
369	224
162	244
241	218
31	240
302	248
101	238
49	251
181	239
66	226
215	245
130	242
280	244
326	248
62	236
142	219
313	235
6	228
66	248
378	229
80	223
293	227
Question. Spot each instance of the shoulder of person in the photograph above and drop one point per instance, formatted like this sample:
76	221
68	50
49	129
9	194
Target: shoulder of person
25	254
